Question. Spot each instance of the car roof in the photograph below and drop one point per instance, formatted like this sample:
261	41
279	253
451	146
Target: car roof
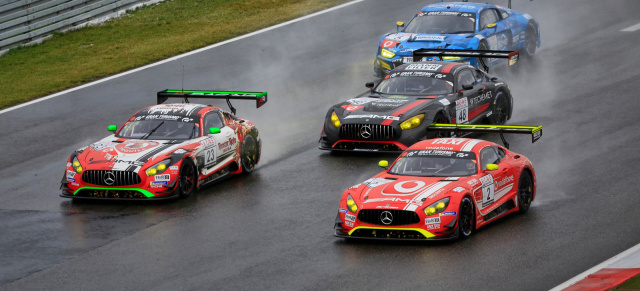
458	7
452	144
432	66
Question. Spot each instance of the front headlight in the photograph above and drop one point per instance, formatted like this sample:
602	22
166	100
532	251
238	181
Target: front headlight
412	122
437	207
158	168
335	121
351	204
76	165
387	54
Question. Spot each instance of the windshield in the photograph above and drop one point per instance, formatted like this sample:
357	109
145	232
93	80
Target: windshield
442	23
436	163
159	129
414	86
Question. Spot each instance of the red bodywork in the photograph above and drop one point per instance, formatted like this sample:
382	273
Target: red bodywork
406	197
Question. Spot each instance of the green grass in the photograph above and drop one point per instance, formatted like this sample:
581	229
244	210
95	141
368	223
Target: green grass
631	284
140	37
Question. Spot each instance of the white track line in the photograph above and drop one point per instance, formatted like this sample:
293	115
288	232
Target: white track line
179	56
600	266
632	28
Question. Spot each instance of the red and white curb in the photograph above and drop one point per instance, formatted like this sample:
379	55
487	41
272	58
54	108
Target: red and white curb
607	274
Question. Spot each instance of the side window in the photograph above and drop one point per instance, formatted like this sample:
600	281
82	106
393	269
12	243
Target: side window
212	119
487	17
504	14
501	153
465	77
480	77
488	155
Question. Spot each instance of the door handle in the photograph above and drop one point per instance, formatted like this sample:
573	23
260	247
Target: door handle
504	171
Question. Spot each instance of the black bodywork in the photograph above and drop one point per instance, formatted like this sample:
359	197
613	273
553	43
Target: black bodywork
371	121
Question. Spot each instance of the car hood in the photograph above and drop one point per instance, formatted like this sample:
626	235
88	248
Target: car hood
403	44
405	192
382	107
113	153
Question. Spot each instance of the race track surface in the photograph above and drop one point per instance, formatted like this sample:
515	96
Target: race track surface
273	229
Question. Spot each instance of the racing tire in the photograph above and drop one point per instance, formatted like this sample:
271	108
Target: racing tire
531	41
250	154
466	216
525	192
439	118
501	110
187	180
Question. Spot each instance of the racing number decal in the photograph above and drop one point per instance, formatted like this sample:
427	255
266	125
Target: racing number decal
462	110
210	156
488	190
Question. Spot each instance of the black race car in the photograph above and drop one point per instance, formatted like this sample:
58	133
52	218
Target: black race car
395	113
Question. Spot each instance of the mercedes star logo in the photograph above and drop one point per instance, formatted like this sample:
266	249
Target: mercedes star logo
365	131
109	178
386	217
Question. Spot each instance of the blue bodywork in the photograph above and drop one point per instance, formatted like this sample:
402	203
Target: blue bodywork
509	32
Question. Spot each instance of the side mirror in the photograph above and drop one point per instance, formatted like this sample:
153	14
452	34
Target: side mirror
467	87
494	79
491	25
383	164
214	130
369	85
113	128
399	25
492	167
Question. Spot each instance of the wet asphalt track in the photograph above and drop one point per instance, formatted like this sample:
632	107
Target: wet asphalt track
273	229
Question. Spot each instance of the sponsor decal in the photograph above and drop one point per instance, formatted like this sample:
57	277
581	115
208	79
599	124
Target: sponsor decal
164	177
488	190
388	43
68	164
343	210
355	186
429	38
395	97
423	67
462	111
101	145
444	102
453	141
348	224
133	163
537	134
432	220
393	199
481	97
365	100
71	179
70	174
399	37
433	226
458	189
504	181
173	168
373	116
227	145
134	147
351	107
208	142
449	213
349	217
416	74
375	182
156	183
387	207
472	182
441	153
179	151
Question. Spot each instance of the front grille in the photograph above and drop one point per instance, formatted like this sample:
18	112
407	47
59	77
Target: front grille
398	217
367	132
111	193
120	178
367	146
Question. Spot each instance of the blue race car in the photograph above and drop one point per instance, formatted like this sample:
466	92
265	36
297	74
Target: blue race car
462	26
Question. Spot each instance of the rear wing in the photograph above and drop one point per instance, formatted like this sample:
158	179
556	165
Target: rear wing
259	97
468	1
534	131
512	56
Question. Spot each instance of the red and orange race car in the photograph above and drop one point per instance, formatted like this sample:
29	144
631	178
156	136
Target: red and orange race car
167	150
441	188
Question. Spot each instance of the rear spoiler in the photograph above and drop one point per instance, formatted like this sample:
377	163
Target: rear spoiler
468	1
513	56
259	97
534	131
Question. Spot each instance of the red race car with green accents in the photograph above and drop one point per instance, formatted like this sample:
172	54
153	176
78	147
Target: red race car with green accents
441	188
167	150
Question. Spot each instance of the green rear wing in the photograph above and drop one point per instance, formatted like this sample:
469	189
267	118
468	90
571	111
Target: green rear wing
534	131
259	97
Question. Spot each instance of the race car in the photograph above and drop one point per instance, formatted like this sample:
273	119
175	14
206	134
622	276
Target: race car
395	113
458	26
442	188
167	151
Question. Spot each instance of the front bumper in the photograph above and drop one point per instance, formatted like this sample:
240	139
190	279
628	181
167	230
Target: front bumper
129	193
382	233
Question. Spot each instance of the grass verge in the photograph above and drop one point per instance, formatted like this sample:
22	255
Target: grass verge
140	37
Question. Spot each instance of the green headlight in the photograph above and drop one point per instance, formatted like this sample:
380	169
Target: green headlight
351	204
387	54
437	207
